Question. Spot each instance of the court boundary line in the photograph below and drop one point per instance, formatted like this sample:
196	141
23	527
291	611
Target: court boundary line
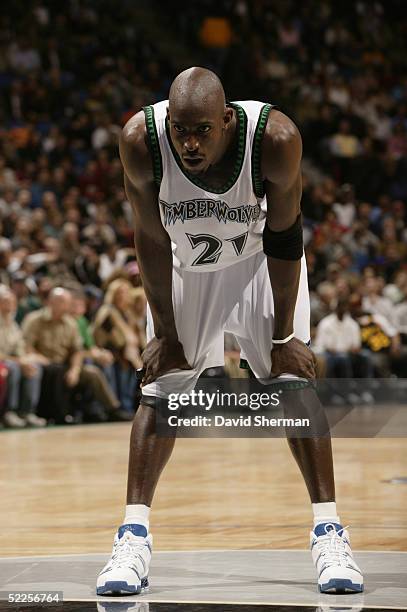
205	550
239	603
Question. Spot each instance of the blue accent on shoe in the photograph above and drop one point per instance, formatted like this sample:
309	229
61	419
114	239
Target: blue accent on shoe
122	587
137	530
116	606
340	585
118	586
149	547
320	530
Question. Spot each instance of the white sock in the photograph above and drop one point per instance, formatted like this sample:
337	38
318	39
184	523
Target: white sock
137	514
325	513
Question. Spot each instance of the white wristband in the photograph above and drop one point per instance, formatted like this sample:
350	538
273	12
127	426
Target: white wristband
284	340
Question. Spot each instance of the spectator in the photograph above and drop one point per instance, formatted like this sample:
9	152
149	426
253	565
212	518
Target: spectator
133	272
397	290
93	354
400	315
232	358
345	208
25	290
3	386
379	337
52	334
375	303
338	338
345	144
87	263
397	143
139	301
323	301
70	244
115	328
22	57
362	245
24	369
5	260
112	259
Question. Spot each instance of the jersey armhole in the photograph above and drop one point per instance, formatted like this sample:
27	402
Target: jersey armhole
257	181
153	145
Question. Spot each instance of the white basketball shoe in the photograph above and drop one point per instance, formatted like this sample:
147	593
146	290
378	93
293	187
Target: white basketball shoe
126	573
122	606
332	556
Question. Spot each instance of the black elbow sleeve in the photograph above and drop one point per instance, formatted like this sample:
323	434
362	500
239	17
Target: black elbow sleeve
288	244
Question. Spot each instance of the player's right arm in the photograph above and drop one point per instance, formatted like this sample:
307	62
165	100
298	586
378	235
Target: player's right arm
153	247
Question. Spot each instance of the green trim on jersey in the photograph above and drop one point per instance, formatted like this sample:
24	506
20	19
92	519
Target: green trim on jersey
241	148
244	364
257	180
154	144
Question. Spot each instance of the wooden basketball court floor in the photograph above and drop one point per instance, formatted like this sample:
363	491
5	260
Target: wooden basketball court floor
230	521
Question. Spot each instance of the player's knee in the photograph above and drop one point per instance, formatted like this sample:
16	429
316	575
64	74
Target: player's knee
302	402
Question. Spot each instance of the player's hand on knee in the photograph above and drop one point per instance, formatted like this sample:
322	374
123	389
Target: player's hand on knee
294	357
160	356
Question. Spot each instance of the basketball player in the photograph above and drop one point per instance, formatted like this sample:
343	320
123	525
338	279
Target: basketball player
215	190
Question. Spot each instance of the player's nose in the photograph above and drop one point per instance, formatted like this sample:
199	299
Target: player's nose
191	144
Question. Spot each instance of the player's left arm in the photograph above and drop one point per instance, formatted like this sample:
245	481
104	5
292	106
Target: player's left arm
281	168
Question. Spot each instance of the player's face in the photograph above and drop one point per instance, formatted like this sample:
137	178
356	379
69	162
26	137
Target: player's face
197	137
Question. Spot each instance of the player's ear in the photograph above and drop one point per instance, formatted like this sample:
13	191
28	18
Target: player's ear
227	117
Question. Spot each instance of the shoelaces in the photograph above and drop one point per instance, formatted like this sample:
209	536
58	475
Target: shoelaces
128	550
333	547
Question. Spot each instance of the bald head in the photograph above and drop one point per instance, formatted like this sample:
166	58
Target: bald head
201	125
197	88
59	302
59	293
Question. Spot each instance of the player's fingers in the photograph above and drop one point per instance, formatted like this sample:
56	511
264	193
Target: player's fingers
311	375
308	371
148	380
302	372
148	376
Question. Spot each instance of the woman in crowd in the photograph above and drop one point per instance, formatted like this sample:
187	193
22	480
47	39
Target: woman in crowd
116	329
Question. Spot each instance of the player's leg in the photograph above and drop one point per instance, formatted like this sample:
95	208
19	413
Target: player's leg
199	325
126	573
198	316
313	454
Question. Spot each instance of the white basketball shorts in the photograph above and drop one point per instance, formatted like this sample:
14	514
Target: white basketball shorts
237	299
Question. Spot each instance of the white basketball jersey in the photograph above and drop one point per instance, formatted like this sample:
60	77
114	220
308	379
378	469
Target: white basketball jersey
211	228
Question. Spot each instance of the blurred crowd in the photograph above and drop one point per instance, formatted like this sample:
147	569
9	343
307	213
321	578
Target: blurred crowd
72	311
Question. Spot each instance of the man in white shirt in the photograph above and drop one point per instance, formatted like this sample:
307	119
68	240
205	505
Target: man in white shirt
338	338
375	303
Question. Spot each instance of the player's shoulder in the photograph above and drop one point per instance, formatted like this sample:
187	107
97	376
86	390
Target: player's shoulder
280	130
134	133
281	147
134	149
